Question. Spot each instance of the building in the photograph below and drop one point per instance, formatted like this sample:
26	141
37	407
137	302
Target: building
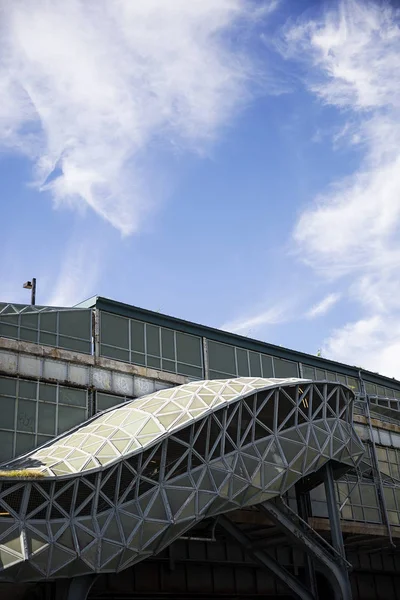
60	367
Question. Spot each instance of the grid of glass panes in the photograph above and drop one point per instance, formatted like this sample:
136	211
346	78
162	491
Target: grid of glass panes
383	396
324	375
359	501
32	413
225	361
389	461
150	346
392	500
69	329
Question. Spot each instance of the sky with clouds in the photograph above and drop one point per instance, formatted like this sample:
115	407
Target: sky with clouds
230	162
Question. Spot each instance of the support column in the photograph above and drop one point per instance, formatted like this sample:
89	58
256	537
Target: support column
303	508
333	510
334	519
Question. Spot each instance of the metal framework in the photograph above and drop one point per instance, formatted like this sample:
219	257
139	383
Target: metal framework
127	483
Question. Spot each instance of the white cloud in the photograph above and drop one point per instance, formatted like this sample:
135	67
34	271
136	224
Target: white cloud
322	307
76	279
353	229
89	87
245	325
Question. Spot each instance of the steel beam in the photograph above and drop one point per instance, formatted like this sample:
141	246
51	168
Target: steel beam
333	565
304	509
77	588
333	511
295	586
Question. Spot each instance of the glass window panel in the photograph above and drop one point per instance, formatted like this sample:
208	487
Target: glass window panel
384	467
320	374
74	344
347	512
242	363
392	456
23	443
355	494
8	386
29	320
395	471
266	364
48	339
8	331
153	340
27	389
370	388
380	390
105	401
255	364
48	321
389	393
114	353
372	515
153	362
353	384
341	379
308	372
114	330
167	344
285	368
7	414
72	396
26	415
319	509
381	453
28	335
217	375
46	418
10	319
188	349
389	498
331	376
221	358
43	439
190	371
6	445
393	517
75	323
137	336
358	513
168	365
368	495
47	392
69	416
138	359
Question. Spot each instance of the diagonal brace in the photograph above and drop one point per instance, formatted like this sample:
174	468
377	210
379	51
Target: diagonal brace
335	569
296	587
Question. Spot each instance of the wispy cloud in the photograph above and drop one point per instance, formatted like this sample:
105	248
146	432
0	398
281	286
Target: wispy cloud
352	53
324	306
90	87
75	280
246	325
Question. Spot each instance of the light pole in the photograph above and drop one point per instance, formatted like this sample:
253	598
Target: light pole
31	285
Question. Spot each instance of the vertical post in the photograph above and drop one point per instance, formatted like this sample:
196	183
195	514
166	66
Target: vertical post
206	369
33	292
303	508
333	510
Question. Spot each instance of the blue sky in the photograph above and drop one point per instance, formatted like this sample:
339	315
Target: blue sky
230	162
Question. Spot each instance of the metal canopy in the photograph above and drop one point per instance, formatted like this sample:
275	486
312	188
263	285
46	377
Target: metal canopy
130	481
